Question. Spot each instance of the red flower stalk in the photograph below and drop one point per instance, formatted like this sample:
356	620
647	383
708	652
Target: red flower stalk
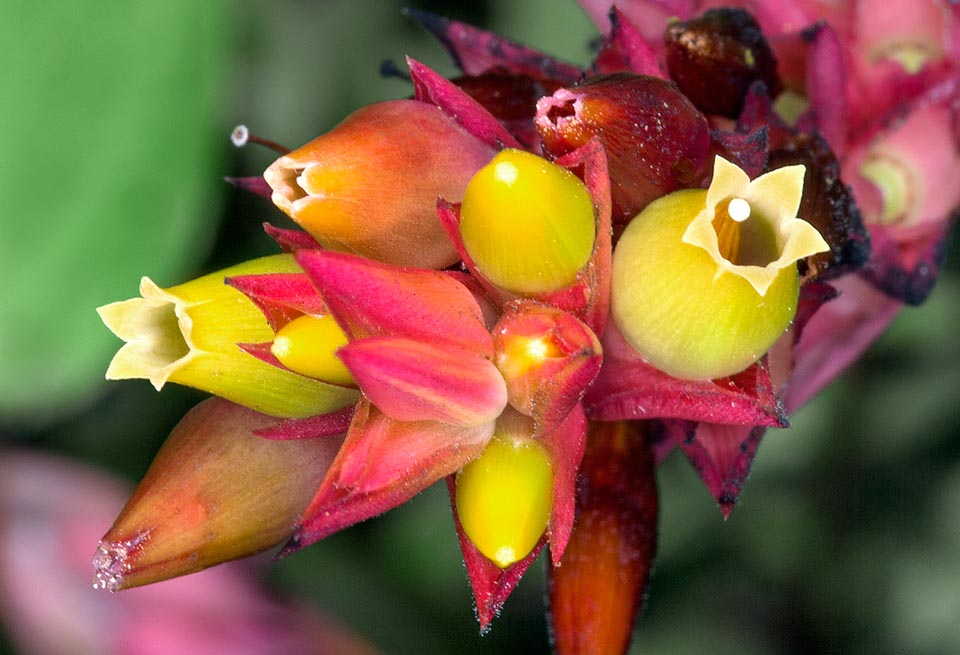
596	592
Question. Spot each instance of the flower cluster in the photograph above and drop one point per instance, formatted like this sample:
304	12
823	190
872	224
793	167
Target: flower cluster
535	281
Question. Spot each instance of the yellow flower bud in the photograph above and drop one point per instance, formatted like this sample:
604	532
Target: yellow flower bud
308	345
505	495
527	223
189	333
705	281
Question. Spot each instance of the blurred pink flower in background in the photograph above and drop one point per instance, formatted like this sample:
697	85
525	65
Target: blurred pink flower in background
51	510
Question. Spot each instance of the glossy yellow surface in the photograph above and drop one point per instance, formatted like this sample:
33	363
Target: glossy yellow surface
308	345
527	223
504	498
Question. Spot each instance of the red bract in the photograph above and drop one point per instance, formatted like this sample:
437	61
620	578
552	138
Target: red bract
477	51
434	382
406	328
492	585
629	388
625	49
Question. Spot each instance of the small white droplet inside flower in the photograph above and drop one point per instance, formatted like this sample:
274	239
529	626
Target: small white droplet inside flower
506	172
739	209
240	136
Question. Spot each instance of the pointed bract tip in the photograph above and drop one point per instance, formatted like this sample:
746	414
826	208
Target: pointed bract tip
425	18
255	185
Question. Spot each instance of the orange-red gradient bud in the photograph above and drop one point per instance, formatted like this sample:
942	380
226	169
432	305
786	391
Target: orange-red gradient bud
215	492
370	185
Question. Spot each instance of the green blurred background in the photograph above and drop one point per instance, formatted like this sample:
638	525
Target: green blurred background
116	119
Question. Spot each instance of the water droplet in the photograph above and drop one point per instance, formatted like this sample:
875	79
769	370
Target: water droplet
112	561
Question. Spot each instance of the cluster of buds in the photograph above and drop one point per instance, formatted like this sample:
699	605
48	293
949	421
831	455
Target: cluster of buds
534	282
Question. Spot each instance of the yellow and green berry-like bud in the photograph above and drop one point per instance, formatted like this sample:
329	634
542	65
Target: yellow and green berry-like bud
705	281
504	496
527	223
308	345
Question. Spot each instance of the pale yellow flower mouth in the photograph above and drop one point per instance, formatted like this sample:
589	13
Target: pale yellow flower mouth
750	228
157	331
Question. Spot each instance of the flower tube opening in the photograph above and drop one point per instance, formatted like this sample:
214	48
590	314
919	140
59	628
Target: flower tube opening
285	179
160	335
705	281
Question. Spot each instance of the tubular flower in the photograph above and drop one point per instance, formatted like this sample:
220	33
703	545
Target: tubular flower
445	314
341	187
731	251
189	334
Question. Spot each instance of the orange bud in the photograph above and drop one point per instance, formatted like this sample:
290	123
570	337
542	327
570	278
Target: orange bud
215	492
547	358
370	186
